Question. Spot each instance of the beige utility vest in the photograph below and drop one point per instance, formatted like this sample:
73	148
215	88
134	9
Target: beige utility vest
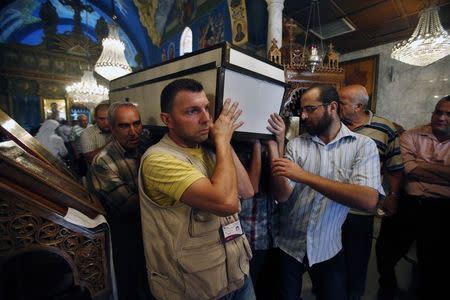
185	255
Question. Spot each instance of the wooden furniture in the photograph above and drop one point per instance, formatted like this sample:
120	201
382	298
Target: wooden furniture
42	207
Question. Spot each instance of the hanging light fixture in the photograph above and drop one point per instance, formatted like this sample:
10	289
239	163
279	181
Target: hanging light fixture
429	42
315	57
87	91
112	62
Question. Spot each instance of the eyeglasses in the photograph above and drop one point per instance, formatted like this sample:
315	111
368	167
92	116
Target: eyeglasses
310	108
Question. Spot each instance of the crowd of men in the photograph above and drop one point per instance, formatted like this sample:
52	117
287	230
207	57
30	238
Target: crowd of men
191	218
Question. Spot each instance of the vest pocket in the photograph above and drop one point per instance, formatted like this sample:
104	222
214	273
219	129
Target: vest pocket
202	223
204	271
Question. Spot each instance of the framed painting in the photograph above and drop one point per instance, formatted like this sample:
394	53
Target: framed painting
363	71
53	109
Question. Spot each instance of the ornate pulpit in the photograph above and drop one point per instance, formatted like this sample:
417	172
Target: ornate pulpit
54	241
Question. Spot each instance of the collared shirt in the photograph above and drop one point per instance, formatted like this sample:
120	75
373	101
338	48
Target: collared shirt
114	175
93	138
310	222
420	145
386	137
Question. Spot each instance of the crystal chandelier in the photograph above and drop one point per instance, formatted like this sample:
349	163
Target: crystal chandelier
315	58
429	42
87	91
112	62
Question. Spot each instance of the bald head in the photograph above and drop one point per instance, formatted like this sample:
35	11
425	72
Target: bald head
356	94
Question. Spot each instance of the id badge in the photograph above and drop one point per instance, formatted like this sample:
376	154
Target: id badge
232	231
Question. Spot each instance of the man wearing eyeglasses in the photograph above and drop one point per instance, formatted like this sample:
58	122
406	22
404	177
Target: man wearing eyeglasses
325	172
426	154
357	231
114	178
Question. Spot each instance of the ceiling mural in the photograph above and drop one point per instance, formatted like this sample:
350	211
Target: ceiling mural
164	18
20	22
145	25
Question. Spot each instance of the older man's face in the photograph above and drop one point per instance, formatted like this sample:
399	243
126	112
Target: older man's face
127	127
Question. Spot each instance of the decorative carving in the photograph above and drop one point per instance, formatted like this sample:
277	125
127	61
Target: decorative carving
275	53
22	230
299	76
51	89
332	58
296	61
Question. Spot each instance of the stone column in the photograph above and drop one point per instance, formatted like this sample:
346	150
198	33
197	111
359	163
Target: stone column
275	22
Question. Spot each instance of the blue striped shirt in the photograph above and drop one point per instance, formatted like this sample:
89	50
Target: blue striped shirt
311	223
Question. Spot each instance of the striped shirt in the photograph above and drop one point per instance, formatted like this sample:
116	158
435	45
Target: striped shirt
310	223
386	137
384	134
93	138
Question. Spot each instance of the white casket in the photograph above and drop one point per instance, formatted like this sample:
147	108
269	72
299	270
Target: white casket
225	71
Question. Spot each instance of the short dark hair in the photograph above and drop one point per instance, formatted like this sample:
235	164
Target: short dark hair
104	105
327	93
171	90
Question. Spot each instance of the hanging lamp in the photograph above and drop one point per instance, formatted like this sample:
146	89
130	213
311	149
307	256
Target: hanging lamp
315	57
112	62
428	43
87	92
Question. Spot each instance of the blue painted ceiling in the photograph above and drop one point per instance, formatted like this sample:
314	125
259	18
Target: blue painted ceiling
20	23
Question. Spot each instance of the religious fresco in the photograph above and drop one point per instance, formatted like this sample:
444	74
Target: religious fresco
163	19
212	31
238	17
208	29
23	22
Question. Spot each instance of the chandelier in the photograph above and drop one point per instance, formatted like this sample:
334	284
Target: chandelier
112	62
87	91
429	42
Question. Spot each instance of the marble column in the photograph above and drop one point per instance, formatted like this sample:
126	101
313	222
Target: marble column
275	22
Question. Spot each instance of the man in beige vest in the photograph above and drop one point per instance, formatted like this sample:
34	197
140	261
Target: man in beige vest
189	197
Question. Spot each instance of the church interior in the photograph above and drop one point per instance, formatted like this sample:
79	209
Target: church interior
49	46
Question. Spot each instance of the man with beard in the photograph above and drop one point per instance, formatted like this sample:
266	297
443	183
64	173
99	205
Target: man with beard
426	155
324	173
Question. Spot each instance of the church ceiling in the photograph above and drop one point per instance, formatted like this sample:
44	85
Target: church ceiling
144	23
